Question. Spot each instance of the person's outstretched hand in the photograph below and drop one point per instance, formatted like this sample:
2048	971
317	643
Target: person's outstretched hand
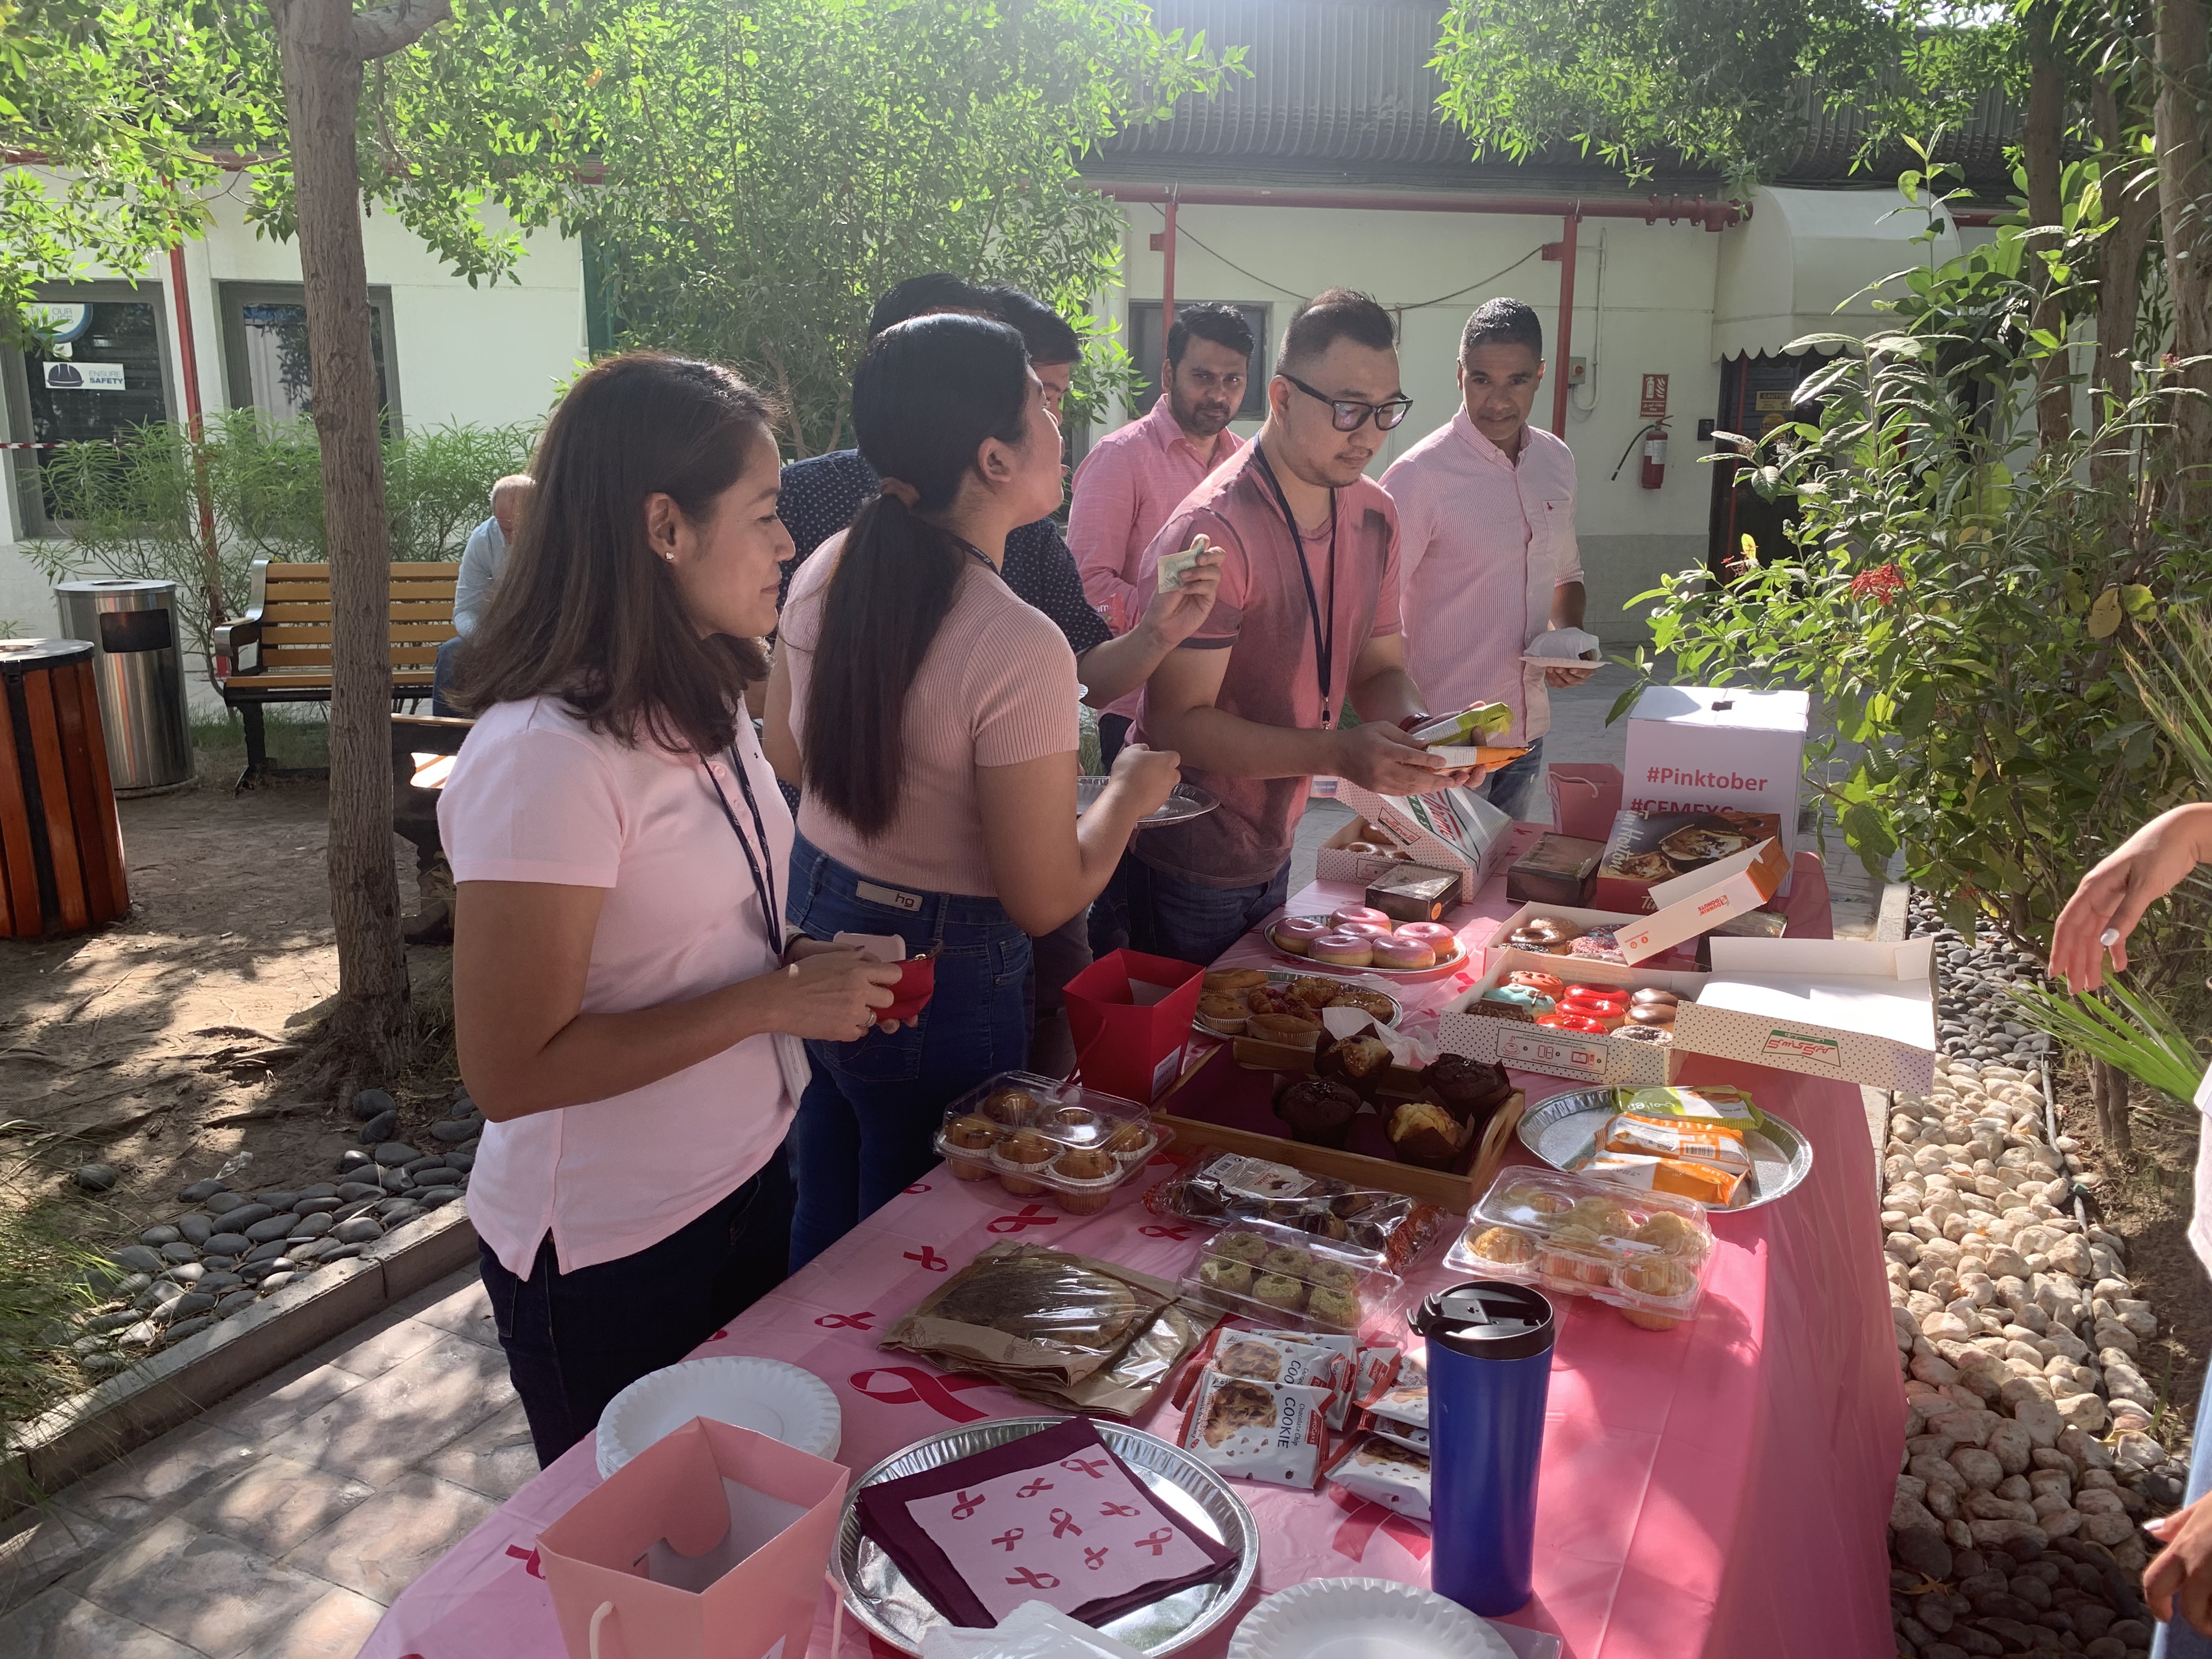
2143	869
2178	1583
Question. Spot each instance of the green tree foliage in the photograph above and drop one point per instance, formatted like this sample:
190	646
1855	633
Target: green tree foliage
757	176
1708	84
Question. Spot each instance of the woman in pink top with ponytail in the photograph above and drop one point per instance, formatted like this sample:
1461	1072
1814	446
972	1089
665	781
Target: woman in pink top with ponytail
627	1007
929	715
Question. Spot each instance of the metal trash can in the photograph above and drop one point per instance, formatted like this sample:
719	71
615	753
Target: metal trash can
140	665
61	847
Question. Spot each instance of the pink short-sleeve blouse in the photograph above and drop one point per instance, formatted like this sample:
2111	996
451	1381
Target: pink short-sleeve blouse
537	796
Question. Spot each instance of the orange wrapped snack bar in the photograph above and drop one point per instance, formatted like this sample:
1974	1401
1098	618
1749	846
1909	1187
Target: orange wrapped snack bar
1719	1143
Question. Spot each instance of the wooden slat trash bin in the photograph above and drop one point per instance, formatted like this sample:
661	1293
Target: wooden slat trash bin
61	844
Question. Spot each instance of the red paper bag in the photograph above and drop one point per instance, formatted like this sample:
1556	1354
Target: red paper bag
1130	1016
1584	799
710	1544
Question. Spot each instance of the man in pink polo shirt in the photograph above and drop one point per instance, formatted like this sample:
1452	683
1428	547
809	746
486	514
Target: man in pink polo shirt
1138	474
1305	623
1486	555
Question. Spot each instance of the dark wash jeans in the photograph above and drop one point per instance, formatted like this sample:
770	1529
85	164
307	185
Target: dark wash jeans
867	1121
574	1340
1163	916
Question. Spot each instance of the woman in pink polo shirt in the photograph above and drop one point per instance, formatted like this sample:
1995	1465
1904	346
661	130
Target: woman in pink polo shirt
930	715
626	1010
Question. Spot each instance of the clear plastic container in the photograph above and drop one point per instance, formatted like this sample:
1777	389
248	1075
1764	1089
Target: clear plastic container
1245	1272
1035	1136
1645	1253
1333	1218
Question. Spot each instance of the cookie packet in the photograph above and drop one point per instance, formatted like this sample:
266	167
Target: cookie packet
1342	1350
1401	1413
1270	1432
1376	1372
1385	1472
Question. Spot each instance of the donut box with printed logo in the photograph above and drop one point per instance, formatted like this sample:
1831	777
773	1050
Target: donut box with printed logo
1701	751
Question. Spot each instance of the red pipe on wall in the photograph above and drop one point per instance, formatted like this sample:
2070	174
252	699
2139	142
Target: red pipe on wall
1167	284
1564	346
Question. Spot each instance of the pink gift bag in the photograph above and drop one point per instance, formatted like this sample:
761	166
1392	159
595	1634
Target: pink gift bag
1585	796
710	1544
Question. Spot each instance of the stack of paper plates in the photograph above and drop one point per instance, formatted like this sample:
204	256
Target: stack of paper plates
765	1395
1364	1618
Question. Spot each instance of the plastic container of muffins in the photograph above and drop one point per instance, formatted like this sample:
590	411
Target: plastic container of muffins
1243	1271
1035	1136
1365	1228
1645	1253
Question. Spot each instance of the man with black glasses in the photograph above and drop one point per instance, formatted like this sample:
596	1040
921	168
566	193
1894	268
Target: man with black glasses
1306	625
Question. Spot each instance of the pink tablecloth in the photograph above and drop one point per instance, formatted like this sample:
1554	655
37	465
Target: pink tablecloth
1720	1489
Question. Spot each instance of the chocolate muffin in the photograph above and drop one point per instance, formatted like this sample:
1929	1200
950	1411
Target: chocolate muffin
1469	1090
1318	1111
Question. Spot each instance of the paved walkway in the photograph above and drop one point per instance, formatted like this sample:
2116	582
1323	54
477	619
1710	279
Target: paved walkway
280	1524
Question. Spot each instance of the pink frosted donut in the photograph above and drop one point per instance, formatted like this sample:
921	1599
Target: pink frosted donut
1360	912
1365	929
1399	951
1344	949
1295	933
1435	933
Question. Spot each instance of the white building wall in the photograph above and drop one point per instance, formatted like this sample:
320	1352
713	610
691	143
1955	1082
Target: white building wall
489	355
1645	300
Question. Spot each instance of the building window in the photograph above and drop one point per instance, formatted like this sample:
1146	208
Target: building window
102	370
265	339
1149	347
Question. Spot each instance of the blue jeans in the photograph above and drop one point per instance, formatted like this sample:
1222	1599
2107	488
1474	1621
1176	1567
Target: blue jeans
574	1340
866	1125
442	677
1164	916
2180	1640
1509	787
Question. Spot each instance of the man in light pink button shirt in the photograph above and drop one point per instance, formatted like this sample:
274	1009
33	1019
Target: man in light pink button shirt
1487	559
1136	476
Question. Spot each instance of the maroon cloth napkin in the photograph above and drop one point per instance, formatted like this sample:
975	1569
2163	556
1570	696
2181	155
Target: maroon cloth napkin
1046	1511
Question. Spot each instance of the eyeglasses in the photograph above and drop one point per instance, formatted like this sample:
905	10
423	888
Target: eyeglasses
1349	414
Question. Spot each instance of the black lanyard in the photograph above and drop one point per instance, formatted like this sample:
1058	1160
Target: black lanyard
1324	640
762	867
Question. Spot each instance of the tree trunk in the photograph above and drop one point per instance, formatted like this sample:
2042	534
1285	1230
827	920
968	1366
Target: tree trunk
2134	210
2109	1088
2039	150
2183	183
322	75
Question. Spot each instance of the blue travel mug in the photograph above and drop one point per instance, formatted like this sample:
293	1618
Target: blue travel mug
1490	1369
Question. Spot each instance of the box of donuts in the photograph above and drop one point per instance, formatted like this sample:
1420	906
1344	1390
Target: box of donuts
1454	831
1035	1136
1602	1022
1645	1253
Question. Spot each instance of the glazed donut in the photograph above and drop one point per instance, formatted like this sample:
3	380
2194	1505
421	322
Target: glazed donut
1650	1013
1359	913
1344	949
1647	1033
1539	944
1550	927
1519	996
1652	995
1363	849
1588	992
1396	951
1296	934
1566	1022
1363	929
1548	985
1435	932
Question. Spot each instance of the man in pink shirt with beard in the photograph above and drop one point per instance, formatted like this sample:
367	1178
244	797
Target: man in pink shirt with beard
1487	560
1137	475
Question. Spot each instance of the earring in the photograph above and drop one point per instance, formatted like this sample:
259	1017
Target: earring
668	558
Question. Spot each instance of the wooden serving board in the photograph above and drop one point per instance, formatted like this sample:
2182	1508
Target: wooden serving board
1200	1118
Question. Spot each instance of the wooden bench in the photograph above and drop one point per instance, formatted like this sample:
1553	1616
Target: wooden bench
280	650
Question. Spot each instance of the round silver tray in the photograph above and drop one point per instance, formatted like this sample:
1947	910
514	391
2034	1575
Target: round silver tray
1563	1132
1187	801
1283	977
879	1596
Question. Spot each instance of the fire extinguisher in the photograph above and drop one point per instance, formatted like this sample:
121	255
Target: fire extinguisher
1654	439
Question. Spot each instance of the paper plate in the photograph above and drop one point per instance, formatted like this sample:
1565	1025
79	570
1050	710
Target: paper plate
1364	1618
1185	802
765	1395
